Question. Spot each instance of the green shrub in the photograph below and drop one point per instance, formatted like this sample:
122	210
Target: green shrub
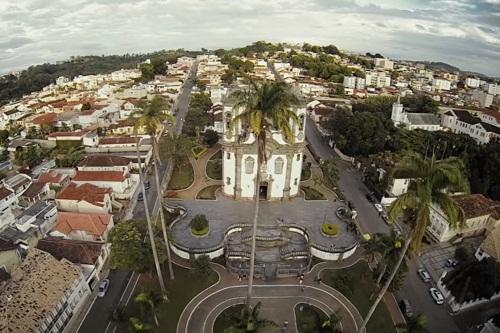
199	225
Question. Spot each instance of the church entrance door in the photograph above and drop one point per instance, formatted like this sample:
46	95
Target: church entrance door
263	192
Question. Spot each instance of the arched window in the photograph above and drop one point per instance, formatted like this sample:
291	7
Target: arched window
228	156
249	162
298	157
278	166
301	122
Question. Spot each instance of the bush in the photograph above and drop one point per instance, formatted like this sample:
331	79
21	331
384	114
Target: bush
462	254
198	151
199	225
201	265
330	229
210	137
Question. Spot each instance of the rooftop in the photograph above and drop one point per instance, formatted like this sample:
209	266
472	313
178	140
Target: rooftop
34	189
475	205
76	251
100	176
52	177
98	160
423	119
118	140
84	192
37	286
93	224
45	119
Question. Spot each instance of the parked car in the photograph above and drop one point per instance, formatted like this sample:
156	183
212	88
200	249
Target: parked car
379	208
370	197
385	217
451	263
140	197
424	275
103	288
406	308
147	185
436	296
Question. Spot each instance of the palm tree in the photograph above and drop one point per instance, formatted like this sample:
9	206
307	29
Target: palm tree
333	323
152	118
248	321
430	181
148	301
264	107
415	324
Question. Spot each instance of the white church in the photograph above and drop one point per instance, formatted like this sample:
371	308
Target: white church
412	121
279	175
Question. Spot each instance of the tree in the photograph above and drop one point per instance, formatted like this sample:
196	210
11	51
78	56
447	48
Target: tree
177	147
333	323
264	108
127	248
148	302
210	137
199	222
4	136
430	179
415	324
249	321
138	326
151	118
201	265
147	71
330	172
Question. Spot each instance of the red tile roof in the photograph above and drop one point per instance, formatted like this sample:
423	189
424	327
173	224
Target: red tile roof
475	205
34	189
76	251
4	192
93	224
99	160
118	140
100	176
52	177
84	192
45	119
73	134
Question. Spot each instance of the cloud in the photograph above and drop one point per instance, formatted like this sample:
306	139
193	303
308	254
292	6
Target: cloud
37	31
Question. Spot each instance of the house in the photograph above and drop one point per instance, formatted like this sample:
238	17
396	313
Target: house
105	162
217	112
42	167
86	137
481	215
10	255
119	142
84	198
90	256
122	182
481	128
54	178
35	192
412	121
128	107
40	216
398	187
18	183
43	294
490	247
82	226
8	200
125	127
47	119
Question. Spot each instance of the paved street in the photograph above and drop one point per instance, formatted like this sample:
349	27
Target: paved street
97	319
439	320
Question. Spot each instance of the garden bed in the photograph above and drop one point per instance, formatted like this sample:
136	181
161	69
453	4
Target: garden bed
306	173
198	151
309	318
208	193
312	194
356	283
182	176
214	169
329	229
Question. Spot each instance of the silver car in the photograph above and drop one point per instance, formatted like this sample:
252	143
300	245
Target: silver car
103	288
424	275
436	296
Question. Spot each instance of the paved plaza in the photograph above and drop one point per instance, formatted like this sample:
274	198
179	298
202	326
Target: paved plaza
225	212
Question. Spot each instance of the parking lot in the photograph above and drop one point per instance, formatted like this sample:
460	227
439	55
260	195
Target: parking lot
434	256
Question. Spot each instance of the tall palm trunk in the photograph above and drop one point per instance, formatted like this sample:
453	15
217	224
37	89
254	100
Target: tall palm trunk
160	208
387	283
254	228
150	225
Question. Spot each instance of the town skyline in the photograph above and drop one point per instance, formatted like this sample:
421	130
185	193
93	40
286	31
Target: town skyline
462	33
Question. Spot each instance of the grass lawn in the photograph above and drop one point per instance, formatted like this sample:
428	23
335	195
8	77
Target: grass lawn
182	176
207	193
180	291
214	169
225	319
309	319
357	284
312	194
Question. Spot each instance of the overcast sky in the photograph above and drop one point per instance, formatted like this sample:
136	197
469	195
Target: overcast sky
465	33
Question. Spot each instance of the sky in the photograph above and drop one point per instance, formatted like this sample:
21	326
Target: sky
464	33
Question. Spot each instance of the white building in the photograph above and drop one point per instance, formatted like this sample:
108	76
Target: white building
43	294
461	121
481	215
492	88
472	82
441	84
377	79
384	63
484	99
279	174
412	121
353	82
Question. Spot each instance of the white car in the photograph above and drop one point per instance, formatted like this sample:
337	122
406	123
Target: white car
103	288
378	207
436	296
424	275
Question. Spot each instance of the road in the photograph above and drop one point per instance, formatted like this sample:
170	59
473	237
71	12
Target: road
97	319
439	320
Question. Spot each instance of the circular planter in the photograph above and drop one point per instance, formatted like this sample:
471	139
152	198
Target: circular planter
200	233
329	230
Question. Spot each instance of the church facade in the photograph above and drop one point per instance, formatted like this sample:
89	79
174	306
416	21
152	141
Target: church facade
279	174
